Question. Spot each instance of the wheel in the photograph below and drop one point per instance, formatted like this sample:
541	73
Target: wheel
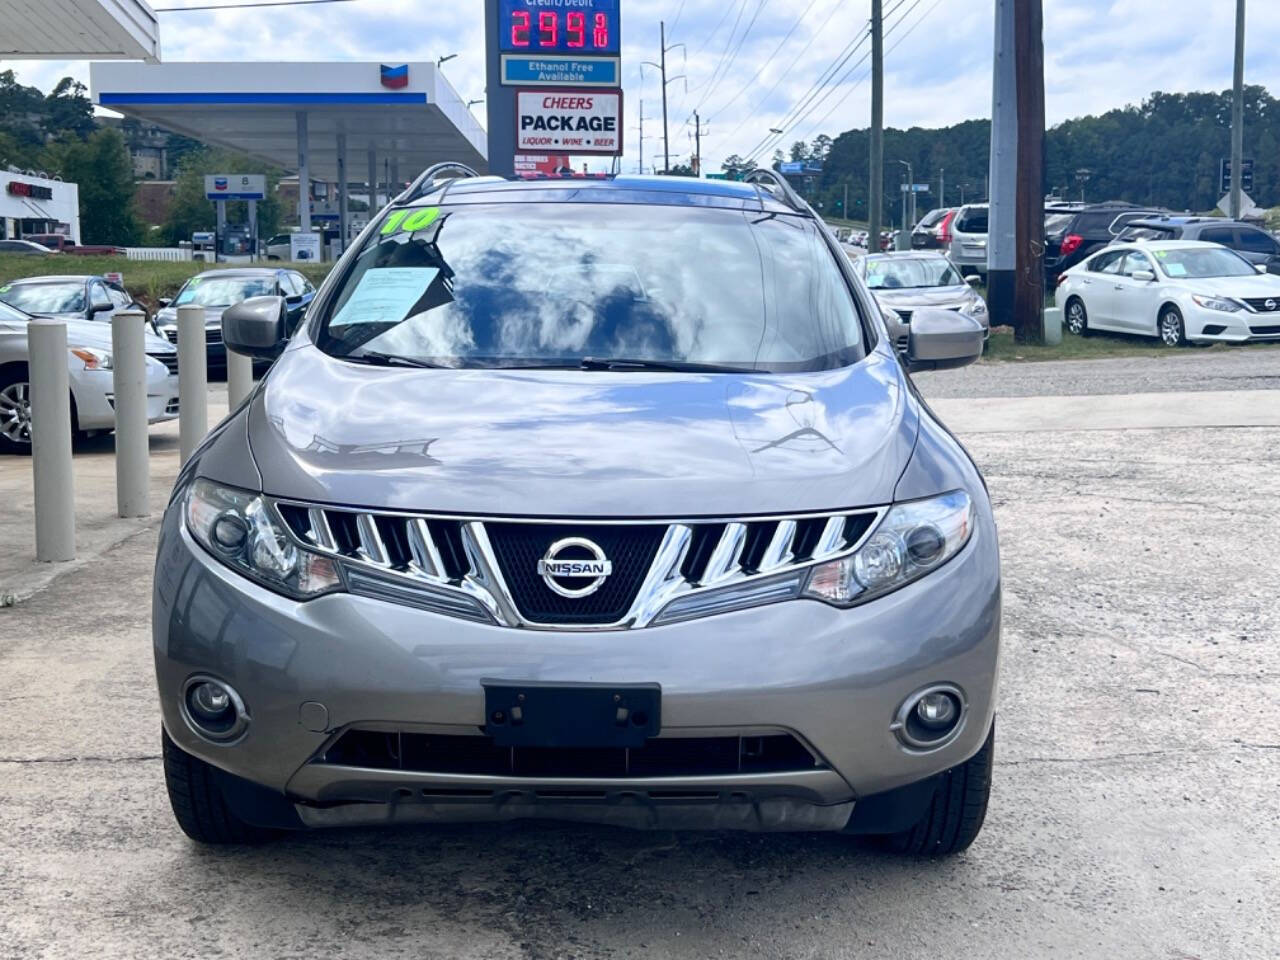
198	804
1173	332
15	411
954	818
1077	317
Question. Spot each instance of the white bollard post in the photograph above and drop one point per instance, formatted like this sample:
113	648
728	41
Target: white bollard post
129	376
193	380
239	378
51	441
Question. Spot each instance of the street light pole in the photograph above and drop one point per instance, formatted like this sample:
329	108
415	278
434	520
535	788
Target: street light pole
904	238
875	196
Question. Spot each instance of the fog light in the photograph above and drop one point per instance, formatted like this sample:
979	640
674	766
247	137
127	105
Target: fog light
213	710
937	711
210	701
930	718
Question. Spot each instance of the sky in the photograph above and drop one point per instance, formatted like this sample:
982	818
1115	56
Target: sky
749	65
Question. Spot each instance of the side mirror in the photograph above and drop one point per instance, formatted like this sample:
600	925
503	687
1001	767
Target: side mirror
1261	267
163	302
972	279
97	308
255	327
942	339
1143	276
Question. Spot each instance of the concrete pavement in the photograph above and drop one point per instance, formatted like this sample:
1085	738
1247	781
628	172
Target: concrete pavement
1135	813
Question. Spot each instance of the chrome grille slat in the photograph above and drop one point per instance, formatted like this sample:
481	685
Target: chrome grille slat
371	548
411	549
320	533
726	558
426	561
778	553
831	542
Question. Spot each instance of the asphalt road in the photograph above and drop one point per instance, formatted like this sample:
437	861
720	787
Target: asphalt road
1135	812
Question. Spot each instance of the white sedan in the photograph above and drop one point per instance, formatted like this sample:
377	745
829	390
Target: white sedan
1178	290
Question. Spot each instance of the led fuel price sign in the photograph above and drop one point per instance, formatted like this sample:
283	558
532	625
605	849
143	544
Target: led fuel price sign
580	27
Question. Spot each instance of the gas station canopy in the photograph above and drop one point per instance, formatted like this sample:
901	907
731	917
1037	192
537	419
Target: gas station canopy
78	30
288	114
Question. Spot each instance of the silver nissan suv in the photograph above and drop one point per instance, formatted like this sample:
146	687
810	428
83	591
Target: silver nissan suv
591	499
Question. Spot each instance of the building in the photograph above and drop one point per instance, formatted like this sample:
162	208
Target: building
30	204
78	30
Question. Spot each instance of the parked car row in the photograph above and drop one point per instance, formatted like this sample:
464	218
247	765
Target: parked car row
1182	291
87	304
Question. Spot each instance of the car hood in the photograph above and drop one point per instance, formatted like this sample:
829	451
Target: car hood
920	297
581	443
169	315
91	333
1258	285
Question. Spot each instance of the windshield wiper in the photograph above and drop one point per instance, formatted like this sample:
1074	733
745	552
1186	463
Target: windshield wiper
679	366
376	359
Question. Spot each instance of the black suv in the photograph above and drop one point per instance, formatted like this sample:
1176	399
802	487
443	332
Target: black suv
1068	240
1253	243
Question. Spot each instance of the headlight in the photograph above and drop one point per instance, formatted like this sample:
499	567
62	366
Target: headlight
241	530
1220	304
912	540
93	359
977	308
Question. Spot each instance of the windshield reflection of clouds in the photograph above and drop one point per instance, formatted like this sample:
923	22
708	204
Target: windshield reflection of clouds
546	285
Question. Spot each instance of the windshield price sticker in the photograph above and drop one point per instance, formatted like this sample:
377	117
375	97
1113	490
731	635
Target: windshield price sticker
571	121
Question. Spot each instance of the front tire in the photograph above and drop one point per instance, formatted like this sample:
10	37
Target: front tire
954	819
198	804
1172	331
1077	317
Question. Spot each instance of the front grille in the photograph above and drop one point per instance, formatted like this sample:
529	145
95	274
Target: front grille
659	757
905	315
172	335
170	360
1266	330
213	334
488	570
519	547
171	406
1259	304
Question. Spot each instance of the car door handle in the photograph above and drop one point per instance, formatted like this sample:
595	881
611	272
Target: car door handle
1086	281
1119	286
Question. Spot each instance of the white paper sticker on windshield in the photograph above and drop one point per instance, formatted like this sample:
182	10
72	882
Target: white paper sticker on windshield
385	295
1175	269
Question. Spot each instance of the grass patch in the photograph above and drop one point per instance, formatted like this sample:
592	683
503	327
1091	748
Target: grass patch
1002	349
148	280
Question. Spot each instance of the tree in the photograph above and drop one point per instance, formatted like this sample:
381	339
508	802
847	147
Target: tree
779	158
799	151
67	111
737	167
100	166
682	170
21	108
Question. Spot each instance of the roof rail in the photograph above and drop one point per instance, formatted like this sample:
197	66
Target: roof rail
787	193
428	177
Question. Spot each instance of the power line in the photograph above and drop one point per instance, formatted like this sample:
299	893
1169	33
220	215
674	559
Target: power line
806	110
734	56
783	74
246	6
728	43
835	106
747	86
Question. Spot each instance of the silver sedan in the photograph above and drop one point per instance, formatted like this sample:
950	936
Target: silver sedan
89	366
905	282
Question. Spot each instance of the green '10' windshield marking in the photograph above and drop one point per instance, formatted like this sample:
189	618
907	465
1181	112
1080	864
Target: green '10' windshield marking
410	220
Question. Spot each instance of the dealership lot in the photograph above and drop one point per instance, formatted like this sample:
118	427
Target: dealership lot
1136	806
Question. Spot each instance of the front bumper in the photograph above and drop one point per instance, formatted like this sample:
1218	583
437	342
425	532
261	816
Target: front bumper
1214	326
95	398
832	678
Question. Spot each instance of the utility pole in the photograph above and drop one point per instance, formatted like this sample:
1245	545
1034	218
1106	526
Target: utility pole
942	187
844	209
875	196
641	168
1237	116
666	145
1015	247
697	144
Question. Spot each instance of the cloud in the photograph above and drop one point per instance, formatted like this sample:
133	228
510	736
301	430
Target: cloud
1099	54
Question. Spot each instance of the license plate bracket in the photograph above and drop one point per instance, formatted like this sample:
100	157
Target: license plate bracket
522	713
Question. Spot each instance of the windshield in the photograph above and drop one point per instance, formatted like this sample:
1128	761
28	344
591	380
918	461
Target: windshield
45	297
223	291
895	274
1198	263
552	284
